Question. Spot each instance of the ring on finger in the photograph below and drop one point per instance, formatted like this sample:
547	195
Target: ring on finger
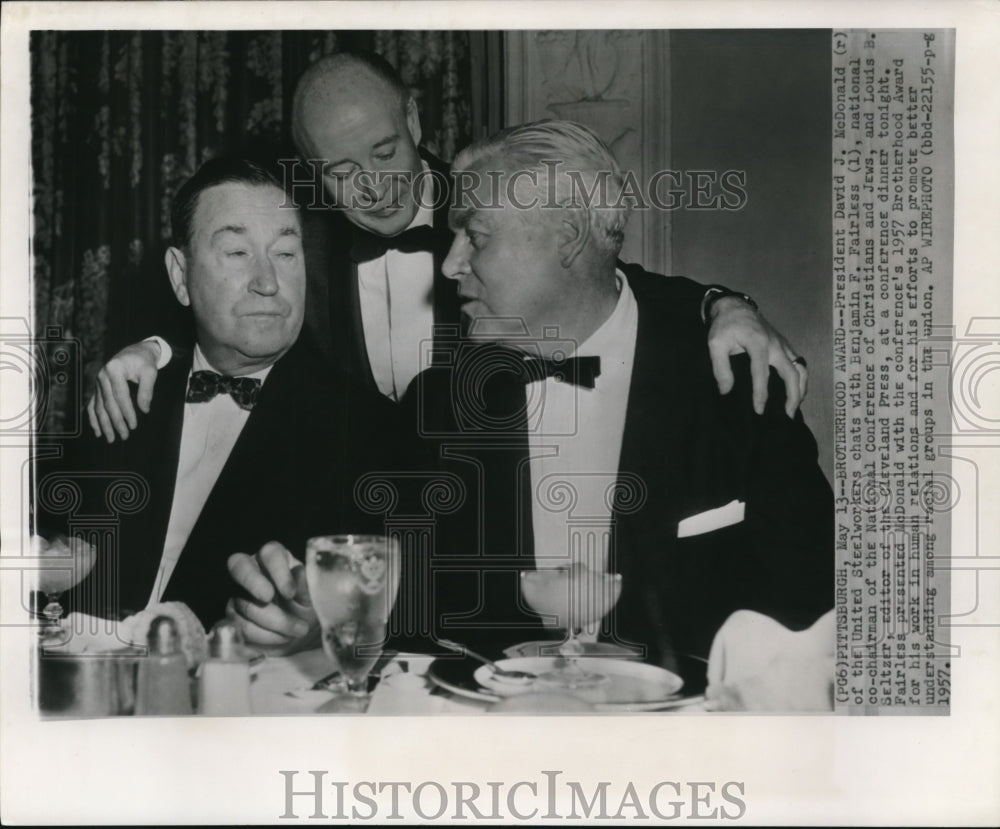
800	361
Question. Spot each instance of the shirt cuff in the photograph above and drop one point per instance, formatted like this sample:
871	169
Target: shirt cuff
166	353
716	292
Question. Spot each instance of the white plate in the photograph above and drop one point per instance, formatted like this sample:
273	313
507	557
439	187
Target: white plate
630	685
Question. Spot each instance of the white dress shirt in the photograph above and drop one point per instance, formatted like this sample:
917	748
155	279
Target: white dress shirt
208	435
575	439
397	307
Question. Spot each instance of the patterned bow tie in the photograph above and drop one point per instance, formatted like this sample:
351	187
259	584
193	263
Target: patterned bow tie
204	385
368	246
581	371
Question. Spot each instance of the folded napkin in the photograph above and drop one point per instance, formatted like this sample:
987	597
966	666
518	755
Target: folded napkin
91	634
410	691
282	683
757	664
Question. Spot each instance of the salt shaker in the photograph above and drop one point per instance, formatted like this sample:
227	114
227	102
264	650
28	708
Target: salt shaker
163	683
224	684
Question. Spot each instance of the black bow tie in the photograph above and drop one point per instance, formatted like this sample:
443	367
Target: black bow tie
581	371
204	385
368	246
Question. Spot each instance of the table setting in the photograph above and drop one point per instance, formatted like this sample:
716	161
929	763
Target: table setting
162	661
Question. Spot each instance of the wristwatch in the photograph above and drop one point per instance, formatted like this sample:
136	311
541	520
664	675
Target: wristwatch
716	292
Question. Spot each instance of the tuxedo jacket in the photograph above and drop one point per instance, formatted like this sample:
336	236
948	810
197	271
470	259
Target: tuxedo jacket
333	323
290	475
686	450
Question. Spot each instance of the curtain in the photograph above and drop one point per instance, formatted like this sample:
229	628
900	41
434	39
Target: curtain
120	119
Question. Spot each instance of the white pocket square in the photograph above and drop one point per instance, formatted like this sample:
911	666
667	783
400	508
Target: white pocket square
713	519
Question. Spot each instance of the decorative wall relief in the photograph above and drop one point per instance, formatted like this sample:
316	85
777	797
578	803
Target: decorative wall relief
615	82
583	81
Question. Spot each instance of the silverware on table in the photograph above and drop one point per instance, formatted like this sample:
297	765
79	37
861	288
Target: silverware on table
503	673
328	682
336	679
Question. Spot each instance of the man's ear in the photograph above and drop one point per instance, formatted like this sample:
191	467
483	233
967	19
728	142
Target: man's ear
177	271
573	233
413	121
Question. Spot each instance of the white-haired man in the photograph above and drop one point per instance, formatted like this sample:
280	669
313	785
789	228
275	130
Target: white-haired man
587	429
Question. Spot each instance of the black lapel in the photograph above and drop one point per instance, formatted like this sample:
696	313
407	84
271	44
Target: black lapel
319	232
333	309
354	331
656	416
656	421
156	451
487	447
508	510
346	333
127	494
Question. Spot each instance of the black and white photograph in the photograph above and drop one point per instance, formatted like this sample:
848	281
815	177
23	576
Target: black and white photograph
497	420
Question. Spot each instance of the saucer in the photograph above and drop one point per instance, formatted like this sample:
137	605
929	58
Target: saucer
631	685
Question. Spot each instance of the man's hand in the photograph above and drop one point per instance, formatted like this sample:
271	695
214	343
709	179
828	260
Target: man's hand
110	408
735	328
279	615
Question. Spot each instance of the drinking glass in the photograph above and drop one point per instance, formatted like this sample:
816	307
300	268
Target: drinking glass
68	562
353	580
577	597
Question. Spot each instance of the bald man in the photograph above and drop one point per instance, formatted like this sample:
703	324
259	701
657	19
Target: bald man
375	281
375	247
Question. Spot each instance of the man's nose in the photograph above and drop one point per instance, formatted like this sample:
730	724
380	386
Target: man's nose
371	187
456	263
265	279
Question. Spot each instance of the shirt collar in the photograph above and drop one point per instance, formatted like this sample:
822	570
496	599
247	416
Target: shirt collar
612	335
200	363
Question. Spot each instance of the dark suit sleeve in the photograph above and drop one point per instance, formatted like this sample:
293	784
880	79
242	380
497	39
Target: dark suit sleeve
54	462
683	295
71	475
789	509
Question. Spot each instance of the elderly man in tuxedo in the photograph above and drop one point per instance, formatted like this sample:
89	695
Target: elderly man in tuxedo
586	425
249	438
374	245
583	419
